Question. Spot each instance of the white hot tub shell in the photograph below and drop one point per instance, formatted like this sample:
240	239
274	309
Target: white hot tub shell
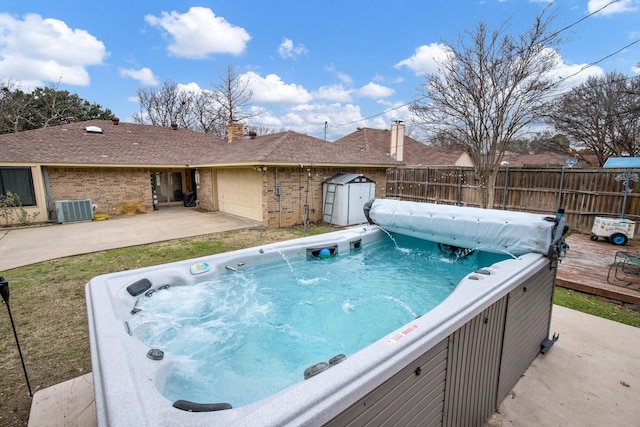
451	366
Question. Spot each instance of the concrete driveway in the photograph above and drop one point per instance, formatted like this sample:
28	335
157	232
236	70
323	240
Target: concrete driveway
25	246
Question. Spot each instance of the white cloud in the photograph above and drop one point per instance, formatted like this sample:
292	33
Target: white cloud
192	87
575	74
343	77
636	69
335	93
288	50
144	75
426	59
310	119
619	6
375	91
261	116
397	110
34	50
199	33
272	89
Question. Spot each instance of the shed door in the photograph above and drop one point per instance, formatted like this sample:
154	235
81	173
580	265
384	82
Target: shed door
359	194
240	192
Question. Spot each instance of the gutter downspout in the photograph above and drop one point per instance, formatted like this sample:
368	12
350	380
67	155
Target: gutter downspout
279	194
47	193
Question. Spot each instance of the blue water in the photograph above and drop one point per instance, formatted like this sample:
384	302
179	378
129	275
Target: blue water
248	334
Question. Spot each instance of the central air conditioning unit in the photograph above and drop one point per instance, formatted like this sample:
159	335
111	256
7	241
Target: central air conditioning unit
74	210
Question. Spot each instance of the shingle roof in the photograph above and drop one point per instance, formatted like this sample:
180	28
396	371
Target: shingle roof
414	152
125	143
135	144
537	160
293	147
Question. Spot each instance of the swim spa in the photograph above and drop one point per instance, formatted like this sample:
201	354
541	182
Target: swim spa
451	364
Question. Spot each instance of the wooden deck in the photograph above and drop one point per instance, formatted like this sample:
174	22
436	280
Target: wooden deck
586	266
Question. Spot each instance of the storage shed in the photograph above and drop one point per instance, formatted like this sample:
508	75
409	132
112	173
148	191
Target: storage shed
344	196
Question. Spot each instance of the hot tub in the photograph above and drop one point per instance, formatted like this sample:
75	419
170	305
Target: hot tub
451	365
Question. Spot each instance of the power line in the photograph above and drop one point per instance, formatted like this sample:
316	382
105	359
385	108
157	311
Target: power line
550	37
585	67
599	60
379	114
582	19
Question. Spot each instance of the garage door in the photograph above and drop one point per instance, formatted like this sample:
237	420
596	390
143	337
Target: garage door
240	192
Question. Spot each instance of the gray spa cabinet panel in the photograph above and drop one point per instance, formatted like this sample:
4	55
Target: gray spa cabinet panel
526	326
473	368
462	379
411	397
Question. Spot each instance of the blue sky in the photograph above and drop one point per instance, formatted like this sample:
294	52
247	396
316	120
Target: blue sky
349	63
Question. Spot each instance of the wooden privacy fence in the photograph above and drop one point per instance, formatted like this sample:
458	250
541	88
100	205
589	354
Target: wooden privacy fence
584	194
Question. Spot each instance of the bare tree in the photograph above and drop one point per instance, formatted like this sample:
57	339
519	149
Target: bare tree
164	106
233	95
444	140
541	141
603	114
207	115
207	111
225	103
489	89
262	130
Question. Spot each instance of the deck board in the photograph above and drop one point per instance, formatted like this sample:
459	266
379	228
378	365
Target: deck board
586	264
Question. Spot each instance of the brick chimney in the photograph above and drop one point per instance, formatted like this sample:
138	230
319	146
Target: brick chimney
397	140
235	130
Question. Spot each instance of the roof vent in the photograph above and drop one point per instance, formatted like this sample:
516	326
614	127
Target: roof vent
115	120
174	126
93	129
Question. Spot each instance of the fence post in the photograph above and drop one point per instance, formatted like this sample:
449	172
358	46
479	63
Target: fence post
626	191
560	190
426	185
459	195
506	188
395	190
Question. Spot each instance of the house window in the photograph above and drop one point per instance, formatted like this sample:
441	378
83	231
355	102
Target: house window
18	181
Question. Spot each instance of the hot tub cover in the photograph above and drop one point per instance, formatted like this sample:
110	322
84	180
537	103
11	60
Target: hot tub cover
489	230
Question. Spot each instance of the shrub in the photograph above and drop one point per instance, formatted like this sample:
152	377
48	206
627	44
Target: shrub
12	212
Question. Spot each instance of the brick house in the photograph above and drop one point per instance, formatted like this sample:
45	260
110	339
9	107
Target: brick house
276	179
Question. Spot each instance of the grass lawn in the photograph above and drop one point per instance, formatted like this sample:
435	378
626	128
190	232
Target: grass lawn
596	306
49	309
